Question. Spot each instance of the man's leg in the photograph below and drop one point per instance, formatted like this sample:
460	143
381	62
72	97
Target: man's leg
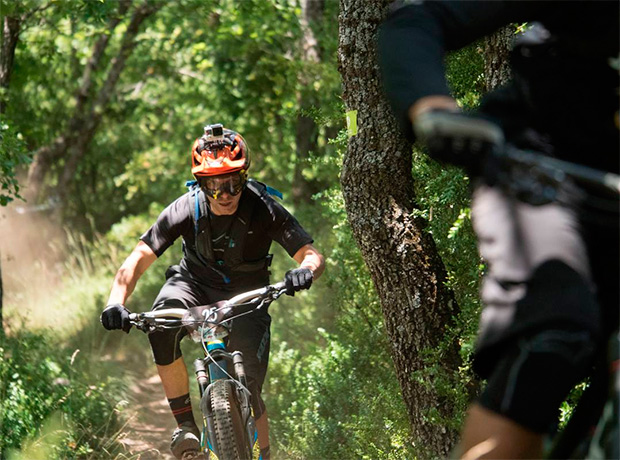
538	326
174	379
173	374
490	435
262	426
179	292
176	386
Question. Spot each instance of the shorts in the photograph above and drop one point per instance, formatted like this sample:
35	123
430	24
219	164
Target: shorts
550	267
250	334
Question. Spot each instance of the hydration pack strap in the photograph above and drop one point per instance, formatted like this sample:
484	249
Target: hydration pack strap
193	186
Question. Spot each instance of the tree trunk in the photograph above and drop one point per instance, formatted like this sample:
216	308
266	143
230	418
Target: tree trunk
402	258
306	130
496	57
10	37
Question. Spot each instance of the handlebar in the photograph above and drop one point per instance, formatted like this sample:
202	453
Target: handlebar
250	295
557	170
215	313
538	179
532	177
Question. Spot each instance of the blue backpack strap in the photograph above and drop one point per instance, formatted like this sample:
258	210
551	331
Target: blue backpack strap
270	190
192	186
274	192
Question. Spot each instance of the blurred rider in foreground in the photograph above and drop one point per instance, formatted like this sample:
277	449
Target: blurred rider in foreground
551	288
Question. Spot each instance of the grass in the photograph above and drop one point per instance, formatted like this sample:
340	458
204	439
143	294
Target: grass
60	389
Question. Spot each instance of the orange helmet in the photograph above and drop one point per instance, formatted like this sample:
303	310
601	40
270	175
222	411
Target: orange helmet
219	151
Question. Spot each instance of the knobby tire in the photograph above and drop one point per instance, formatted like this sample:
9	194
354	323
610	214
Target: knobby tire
229	427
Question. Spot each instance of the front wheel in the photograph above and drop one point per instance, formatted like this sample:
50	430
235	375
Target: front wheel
228	424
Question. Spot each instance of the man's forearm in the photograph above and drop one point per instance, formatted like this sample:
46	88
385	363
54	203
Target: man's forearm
123	285
130	272
315	263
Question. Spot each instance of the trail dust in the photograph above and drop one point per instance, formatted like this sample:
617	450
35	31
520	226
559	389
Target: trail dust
32	250
33	256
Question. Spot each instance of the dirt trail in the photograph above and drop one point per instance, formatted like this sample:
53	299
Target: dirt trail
147	435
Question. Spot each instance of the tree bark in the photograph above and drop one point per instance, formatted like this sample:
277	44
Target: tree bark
10	36
401	256
496	57
73	144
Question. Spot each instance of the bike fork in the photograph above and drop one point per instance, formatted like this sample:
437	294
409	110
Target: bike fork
245	399
208	430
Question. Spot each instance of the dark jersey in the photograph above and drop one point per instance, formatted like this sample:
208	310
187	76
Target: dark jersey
269	223
565	87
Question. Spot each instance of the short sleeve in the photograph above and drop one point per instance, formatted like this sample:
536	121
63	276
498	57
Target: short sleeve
285	229
174	221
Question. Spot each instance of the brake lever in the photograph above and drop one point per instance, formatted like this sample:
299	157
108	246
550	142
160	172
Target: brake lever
262	303
144	327
274	293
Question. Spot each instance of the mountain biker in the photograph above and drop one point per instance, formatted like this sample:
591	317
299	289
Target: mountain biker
551	287
227	223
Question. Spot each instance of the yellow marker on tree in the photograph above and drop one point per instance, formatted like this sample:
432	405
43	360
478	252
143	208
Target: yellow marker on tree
351	116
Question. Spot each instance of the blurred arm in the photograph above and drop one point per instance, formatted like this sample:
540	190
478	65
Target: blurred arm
415	38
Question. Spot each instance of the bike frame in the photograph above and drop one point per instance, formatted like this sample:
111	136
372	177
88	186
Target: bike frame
214	367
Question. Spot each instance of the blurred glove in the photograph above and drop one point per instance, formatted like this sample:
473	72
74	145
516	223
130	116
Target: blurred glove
116	316
298	279
461	139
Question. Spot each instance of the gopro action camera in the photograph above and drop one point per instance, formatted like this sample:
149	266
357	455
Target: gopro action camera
214	133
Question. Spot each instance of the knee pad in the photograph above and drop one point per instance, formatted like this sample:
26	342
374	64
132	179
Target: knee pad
532	379
166	345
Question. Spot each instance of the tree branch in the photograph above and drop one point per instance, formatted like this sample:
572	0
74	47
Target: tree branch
46	155
95	58
24	18
91	121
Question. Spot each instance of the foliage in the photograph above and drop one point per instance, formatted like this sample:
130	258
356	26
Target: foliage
196	62
38	378
12	155
465	74
62	393
334	397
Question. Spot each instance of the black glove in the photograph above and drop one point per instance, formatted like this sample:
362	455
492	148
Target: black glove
461	139
116	316
298	279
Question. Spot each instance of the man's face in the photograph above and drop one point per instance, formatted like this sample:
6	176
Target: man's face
223	192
